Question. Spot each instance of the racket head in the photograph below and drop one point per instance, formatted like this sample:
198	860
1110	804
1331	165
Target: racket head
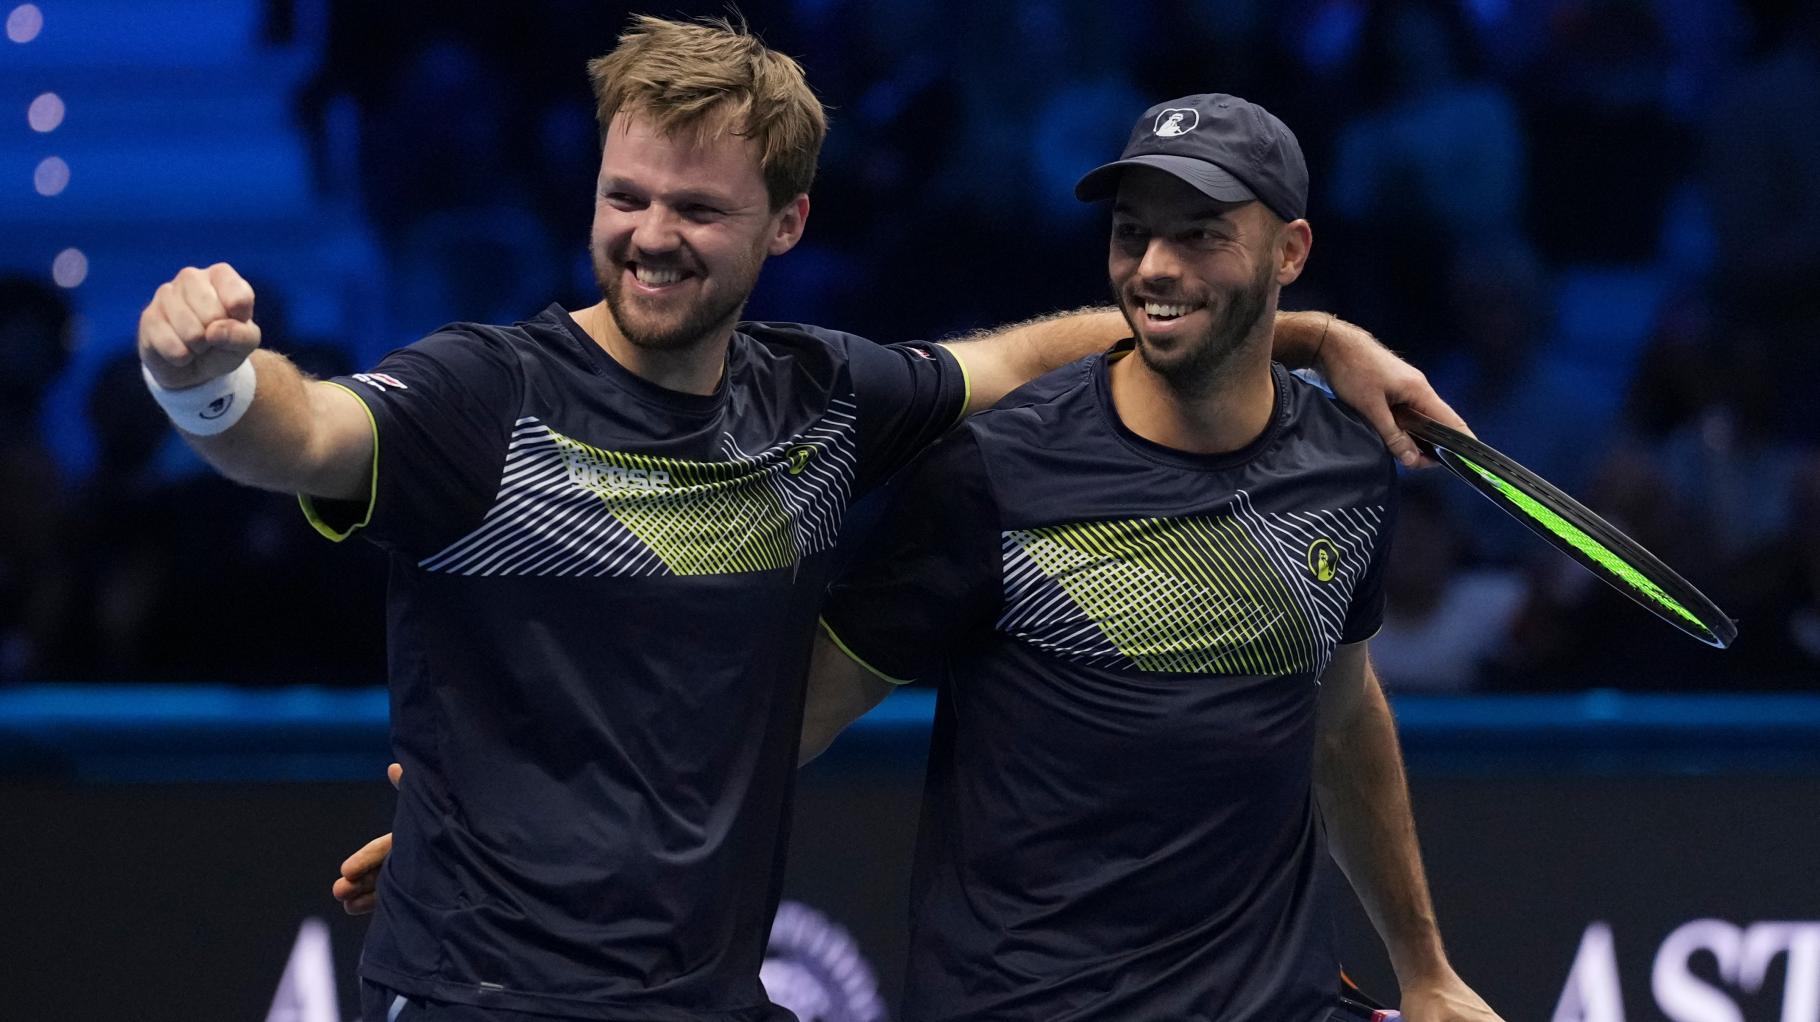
1571	528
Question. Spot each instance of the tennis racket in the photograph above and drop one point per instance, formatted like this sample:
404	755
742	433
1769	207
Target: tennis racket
1566	524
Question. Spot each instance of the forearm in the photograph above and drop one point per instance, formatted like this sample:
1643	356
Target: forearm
288	439
840	691
1364	799
1300	338
999	361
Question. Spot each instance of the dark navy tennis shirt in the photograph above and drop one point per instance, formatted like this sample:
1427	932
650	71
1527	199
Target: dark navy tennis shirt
1118	819
602	600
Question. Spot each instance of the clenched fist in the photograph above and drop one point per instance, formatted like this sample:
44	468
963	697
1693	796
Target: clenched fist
197	327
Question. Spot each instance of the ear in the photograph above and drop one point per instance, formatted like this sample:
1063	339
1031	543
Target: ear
787	225
1294	242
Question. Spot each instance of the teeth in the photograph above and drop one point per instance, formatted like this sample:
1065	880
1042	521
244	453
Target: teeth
1161	311
646	275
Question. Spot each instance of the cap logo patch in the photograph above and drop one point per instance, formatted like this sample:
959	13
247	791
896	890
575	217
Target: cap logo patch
1176	121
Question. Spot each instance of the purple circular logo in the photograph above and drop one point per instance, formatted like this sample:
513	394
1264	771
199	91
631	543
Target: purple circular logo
813	967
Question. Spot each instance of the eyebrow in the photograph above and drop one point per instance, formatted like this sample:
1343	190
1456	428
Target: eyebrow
683	197
1223	211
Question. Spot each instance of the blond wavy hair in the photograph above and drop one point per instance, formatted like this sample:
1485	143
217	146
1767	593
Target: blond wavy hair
703	78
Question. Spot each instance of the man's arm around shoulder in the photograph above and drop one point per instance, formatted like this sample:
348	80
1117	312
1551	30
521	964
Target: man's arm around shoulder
1363	373
1364	799
199	345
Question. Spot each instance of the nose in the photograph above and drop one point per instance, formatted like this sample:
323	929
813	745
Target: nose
655	229
1159	263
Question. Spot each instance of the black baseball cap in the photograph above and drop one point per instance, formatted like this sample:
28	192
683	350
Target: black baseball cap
1227	148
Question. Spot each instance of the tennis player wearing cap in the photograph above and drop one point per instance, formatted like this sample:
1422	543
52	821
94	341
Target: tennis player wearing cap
1145	584
609	532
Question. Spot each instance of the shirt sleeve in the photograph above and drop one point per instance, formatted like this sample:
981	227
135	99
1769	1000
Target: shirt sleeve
908	395
1365	614
927	582
442	412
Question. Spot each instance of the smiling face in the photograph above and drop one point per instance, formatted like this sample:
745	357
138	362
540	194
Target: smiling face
681	227
1194	276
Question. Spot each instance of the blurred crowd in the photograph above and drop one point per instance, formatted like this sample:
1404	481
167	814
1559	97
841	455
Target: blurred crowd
1594	223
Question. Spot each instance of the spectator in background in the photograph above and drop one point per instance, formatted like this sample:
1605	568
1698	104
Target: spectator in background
1783	649
120	552
1728	464
1443	621
1439	155
1597	96
430	161
144	547
1762	175
35	341
1671	381
1530	404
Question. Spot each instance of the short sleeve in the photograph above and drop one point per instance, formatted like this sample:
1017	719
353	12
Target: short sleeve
442	411
1365	614
908	395
928	580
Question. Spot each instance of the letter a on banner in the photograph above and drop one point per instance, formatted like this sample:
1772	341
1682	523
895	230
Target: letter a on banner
1592	993
306	991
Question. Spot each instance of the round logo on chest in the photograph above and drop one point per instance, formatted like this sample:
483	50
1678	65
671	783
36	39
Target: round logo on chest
1323	560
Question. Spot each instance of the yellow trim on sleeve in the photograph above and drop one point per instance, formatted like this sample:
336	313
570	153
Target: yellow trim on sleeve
307	502
856	658
966	393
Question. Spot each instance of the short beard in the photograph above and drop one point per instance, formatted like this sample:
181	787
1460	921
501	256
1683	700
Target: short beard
700	322
1200	369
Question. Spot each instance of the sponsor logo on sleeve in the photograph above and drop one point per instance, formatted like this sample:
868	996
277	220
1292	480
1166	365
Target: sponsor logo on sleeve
381	381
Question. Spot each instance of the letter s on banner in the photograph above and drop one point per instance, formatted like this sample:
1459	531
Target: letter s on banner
1680	994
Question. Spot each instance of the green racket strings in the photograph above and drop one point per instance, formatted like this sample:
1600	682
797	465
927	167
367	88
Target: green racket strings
1584	543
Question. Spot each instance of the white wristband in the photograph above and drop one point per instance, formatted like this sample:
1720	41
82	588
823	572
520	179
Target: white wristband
207	408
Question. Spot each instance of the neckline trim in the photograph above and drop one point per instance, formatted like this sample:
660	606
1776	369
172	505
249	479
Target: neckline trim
1100	368
638	386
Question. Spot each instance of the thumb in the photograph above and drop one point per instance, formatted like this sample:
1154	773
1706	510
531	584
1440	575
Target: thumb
232	333
395	772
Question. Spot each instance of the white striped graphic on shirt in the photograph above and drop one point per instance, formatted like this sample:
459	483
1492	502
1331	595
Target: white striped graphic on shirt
1239	592
567	508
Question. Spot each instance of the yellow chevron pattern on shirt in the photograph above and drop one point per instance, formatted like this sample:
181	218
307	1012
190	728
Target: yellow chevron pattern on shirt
567	508
1191	595
699	517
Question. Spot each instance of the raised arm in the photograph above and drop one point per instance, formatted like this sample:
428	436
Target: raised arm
1363	372
199	345
1364	798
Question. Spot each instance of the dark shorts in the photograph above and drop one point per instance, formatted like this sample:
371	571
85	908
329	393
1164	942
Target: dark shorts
380	1004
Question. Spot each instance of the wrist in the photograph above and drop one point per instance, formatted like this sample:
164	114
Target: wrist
1314	360
1297	339
1420	962
209	407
